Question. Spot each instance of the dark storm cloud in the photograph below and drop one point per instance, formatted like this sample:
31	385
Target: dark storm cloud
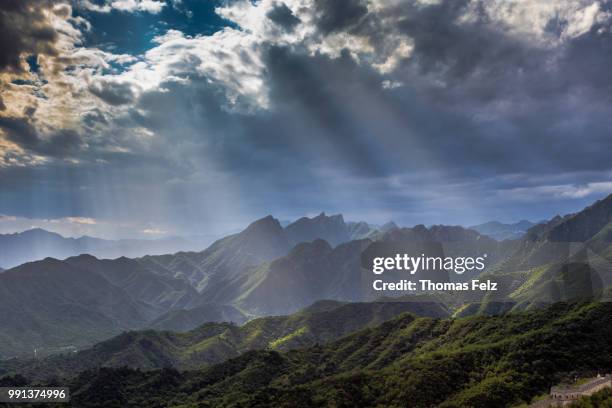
283	16
553	99
94	117
59	143
24	29
455	58
333	112
113	93
338	15
587	62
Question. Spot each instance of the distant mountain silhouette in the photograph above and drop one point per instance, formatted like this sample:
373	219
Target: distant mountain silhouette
332	229
36	244
225	270
501	231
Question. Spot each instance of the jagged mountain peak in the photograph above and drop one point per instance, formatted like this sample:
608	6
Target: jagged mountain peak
265	224
443	233
332	228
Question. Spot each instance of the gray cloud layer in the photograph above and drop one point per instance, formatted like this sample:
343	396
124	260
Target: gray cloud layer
423	111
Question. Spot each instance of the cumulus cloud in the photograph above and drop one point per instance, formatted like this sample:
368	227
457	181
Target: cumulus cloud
130	6
283	16
25	27
45	81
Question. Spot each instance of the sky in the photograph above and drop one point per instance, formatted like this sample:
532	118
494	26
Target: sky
146	118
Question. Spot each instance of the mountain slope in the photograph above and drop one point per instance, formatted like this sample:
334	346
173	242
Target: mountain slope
314	270
562	237
584	225
50	304
218	269
188	319
222	271
215	342
478	362
310	272
162	292
564	259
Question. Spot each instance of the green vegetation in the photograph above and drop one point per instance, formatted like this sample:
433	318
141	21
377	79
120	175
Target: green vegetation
483	361
213	343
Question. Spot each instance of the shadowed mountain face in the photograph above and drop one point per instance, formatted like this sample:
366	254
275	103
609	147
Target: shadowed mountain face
152	286
332	229
584	225
315	270
36	244
227	259
565	259
311	271
52	304
231	267
212	343
162	292
501	231
498	361
563	237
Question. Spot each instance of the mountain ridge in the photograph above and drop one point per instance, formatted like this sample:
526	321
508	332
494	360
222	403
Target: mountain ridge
502	231
499	361
212	343
37	243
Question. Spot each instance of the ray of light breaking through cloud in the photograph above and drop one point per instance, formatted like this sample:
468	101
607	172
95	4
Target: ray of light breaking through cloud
202	117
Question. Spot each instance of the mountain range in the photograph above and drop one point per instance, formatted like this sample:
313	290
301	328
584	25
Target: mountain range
501	231
495	361
52	304
261	319
212	343
36	244
261	271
